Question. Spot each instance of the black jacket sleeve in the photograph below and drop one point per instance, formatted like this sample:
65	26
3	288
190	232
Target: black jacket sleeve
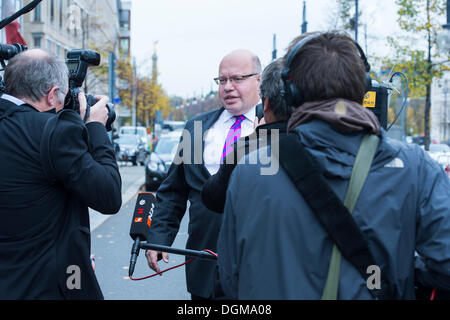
171	202
227	261
83	161
215	188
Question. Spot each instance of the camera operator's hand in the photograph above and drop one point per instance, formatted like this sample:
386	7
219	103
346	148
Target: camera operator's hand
99	111
83	104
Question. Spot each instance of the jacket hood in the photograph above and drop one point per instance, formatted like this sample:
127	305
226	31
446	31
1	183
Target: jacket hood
336	152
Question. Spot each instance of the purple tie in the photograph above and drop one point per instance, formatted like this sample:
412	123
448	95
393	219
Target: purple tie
233	135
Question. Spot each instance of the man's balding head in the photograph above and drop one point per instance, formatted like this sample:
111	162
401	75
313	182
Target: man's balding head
35	54
244	56
241	71
32	74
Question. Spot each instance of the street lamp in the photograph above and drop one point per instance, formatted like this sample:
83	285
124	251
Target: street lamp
444	36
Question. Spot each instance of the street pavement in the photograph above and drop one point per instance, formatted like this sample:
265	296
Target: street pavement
111	245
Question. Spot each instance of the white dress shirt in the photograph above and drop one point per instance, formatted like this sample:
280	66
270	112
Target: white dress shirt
12	99
216	135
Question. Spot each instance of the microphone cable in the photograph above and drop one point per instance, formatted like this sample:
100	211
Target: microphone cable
171	268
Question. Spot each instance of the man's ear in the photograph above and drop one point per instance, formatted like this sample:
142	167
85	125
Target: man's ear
266	106
52	98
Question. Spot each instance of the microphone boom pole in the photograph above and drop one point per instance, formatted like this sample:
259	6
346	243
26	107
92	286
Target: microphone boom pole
184	252
19	13
140	228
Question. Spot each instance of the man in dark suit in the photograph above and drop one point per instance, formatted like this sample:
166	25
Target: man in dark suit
276	115
48	181
206	140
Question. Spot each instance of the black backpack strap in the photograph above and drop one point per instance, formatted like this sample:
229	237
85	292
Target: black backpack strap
329	209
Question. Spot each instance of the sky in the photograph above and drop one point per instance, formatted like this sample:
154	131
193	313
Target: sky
193	35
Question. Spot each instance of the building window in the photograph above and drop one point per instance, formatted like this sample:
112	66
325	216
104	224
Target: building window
82	23
60	14
49	45
124	20
52	10
124	46
37	40
37	13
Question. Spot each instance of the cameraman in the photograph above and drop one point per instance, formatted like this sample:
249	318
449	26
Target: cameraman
48	181
273	246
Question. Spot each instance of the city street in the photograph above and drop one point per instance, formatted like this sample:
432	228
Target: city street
111	246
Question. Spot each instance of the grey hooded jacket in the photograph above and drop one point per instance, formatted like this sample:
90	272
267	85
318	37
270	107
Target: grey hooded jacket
271	245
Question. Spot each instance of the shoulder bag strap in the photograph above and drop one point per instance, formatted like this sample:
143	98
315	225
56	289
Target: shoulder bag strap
358	177
335	218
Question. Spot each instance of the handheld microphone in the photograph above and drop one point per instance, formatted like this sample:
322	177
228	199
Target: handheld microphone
140	224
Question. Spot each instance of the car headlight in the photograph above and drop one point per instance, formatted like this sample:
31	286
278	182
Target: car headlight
161	167
152	165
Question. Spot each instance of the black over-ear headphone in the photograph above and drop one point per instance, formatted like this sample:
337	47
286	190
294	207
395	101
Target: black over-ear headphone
291	94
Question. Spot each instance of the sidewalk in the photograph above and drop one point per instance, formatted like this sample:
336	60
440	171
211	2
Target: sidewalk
96	218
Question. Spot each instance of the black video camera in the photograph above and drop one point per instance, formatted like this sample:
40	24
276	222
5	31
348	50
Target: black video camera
8	51
78	62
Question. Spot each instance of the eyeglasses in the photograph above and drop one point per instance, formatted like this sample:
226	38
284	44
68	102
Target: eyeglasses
234	79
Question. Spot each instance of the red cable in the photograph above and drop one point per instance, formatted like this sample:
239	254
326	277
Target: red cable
433	294
213	253
174	267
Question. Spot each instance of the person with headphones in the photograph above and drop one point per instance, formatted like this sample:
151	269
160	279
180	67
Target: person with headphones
393	199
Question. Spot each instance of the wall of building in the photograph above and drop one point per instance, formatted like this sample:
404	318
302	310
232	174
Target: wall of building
63	25
440	109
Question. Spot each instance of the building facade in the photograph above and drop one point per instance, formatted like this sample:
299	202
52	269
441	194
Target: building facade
440	111
63	25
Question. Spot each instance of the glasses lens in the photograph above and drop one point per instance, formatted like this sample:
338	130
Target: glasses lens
234	79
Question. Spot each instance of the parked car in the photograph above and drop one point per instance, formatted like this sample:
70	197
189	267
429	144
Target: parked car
173	125
130	148
139	131
418	139
439	147
161	159
444	160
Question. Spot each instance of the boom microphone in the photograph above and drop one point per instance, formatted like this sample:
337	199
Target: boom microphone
140	229
140	225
